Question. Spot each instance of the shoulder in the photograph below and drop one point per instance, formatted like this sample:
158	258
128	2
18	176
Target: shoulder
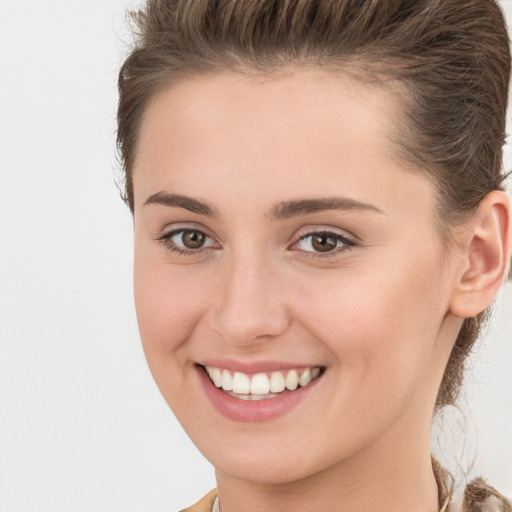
203	505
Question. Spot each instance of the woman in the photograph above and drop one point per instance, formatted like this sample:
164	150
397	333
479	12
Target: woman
320	226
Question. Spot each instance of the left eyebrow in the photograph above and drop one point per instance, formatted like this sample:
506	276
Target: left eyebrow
289	209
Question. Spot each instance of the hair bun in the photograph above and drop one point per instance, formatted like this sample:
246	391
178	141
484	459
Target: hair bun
481	497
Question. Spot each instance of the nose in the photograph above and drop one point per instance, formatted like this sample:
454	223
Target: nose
251	303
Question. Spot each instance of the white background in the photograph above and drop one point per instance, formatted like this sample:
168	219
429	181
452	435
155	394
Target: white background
82	425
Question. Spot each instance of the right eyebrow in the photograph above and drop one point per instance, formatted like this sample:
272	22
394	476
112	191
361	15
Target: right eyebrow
179	201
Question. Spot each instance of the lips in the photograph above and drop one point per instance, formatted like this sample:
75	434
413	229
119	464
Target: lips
250	396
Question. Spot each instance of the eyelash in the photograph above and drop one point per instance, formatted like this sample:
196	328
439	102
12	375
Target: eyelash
348	244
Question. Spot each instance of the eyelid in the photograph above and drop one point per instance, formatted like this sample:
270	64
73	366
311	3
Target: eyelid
315	229
176	227
173	226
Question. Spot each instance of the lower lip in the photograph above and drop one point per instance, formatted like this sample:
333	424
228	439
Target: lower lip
237	409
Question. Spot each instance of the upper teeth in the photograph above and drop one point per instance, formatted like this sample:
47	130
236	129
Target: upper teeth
261	383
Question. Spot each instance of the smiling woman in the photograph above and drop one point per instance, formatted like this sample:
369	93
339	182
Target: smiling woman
320	225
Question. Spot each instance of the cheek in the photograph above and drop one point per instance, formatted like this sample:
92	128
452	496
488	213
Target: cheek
378	320
169	304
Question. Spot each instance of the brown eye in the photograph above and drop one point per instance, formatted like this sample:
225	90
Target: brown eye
187	241
193	239
324	242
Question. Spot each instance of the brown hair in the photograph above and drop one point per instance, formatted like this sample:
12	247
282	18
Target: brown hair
451	57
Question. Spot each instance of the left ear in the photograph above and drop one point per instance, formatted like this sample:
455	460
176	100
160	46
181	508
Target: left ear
487	249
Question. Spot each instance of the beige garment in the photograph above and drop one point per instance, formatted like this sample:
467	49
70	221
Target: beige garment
204	505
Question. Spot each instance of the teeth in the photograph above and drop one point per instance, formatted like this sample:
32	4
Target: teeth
277	382
292	380
251	397
241	383
216	377
260	385
227	381
305	377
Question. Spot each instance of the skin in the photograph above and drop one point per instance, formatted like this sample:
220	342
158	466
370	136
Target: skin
380	315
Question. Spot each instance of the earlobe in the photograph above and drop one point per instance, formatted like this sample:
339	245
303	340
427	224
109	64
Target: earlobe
487	252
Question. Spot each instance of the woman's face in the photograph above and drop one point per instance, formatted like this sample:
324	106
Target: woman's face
277	237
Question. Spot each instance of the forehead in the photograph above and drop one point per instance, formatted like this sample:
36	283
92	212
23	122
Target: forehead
306	128
203	104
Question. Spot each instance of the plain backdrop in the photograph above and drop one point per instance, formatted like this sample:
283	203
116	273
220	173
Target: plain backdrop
82	425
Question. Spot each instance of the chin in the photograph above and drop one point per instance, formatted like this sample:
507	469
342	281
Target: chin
265	472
